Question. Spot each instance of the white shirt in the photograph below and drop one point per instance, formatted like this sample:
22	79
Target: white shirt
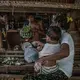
49	49
66	64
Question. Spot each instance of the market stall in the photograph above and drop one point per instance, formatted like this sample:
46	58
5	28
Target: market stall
13	14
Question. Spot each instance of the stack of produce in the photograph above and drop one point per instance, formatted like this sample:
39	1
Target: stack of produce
12	61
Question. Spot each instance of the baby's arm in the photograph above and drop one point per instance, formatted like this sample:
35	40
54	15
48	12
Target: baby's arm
37	66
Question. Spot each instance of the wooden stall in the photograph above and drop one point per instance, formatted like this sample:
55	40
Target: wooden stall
20	7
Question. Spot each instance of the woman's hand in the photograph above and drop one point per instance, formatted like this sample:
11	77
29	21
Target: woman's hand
47	61
39	43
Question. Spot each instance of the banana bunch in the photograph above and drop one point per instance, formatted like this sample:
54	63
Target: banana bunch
11	61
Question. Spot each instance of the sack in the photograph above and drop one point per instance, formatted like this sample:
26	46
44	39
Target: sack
30	54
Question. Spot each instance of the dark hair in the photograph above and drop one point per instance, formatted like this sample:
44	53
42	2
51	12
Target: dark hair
62	19
54	33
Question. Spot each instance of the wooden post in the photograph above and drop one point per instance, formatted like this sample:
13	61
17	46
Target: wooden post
0	40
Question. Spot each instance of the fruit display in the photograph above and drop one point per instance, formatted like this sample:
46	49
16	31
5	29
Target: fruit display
12	61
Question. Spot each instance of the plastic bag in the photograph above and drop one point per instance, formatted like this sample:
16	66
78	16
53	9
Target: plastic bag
30	54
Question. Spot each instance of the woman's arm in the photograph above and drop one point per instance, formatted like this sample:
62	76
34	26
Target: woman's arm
64	52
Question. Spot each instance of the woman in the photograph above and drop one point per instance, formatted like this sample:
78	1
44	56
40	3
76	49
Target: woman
64	58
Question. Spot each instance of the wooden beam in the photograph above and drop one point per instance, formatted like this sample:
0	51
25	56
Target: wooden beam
33	6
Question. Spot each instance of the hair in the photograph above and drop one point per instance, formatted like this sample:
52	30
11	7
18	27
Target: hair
62	19
54	33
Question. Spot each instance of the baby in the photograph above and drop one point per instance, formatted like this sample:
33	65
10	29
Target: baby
52	46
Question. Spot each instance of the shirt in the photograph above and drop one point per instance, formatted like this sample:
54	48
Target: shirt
49	49
66	64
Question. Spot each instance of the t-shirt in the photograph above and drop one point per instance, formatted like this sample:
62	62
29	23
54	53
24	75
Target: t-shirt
49	49
66	64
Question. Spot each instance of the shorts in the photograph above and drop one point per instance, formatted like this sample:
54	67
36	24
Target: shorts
58	75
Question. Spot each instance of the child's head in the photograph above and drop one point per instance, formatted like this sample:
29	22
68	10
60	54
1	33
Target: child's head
53	34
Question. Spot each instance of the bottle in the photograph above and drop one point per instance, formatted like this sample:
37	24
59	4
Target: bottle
4	42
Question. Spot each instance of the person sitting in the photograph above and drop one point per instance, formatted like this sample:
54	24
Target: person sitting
65	57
